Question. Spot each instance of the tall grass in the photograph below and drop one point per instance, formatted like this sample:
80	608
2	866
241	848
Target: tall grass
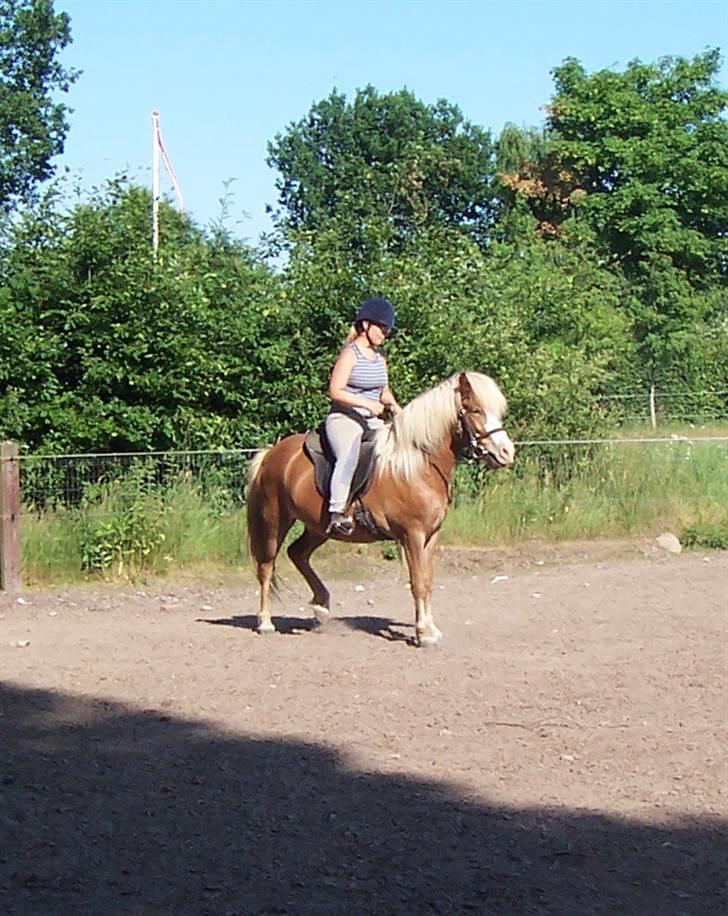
128	529
621	490
554	493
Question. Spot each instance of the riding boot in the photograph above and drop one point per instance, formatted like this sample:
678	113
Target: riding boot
340	524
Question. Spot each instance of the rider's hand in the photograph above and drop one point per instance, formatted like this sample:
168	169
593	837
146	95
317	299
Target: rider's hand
376	408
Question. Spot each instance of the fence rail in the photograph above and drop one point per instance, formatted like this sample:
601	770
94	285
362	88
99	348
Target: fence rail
113	485
659	406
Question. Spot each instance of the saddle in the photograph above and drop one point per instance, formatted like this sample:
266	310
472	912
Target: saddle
317	449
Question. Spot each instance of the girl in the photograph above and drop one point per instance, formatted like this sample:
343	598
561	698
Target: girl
360	393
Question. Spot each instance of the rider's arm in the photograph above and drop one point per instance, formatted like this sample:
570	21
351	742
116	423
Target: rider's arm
339	380
389	400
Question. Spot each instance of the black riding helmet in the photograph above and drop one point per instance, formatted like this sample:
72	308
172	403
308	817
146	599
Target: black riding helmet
381	311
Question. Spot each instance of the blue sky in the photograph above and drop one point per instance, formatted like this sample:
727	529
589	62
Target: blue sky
227	75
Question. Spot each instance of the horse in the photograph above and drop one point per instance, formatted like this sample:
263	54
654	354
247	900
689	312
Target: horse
407	500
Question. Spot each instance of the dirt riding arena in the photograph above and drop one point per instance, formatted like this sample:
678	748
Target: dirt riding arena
562	751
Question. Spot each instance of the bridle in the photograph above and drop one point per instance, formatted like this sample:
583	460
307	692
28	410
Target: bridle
475	440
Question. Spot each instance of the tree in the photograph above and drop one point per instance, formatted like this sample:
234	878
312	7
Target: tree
389	157
649	147
33	125
529	172
102	348
519	147
640	159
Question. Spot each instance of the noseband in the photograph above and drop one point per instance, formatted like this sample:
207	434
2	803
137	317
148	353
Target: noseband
475	440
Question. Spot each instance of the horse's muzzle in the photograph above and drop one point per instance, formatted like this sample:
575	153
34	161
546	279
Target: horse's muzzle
493	462
495	459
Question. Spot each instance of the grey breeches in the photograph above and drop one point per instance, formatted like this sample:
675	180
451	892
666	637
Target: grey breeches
344	435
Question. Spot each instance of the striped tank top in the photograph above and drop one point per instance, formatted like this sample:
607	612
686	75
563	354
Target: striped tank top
368	378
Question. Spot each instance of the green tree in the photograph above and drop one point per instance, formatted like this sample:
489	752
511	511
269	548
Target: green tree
388	157
33	123
649	147
101	348
519	147
639	159
500	311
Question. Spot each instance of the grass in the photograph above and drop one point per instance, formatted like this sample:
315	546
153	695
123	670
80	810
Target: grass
554	494
624	490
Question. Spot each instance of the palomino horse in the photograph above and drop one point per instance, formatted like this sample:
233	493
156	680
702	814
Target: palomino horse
408	499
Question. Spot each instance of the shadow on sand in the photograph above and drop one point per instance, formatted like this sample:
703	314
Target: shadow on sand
110	810
295	626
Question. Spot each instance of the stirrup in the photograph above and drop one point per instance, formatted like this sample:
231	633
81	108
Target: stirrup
340	524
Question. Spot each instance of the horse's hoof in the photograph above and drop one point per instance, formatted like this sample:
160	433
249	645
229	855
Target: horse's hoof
266	627
427	642
321	613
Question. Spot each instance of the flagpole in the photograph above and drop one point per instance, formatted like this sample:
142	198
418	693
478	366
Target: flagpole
155	183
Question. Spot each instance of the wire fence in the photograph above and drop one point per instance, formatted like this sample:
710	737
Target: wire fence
668	406
112	513
76	480
108	481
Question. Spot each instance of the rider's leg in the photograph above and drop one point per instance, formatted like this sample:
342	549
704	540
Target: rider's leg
344	436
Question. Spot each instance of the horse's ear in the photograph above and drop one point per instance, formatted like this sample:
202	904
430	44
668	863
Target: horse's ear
465	389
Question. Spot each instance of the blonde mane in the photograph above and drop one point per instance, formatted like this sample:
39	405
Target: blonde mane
420	430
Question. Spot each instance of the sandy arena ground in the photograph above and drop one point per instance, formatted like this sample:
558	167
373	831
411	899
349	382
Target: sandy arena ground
562	752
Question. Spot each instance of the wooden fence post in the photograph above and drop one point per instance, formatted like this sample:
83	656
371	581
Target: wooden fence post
9	517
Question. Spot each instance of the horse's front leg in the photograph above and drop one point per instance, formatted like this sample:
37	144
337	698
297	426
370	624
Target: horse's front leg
429	561
415	550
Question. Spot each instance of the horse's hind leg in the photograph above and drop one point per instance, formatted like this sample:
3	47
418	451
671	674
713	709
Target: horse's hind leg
299	553
265	563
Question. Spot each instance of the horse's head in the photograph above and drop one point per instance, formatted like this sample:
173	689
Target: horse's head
480	417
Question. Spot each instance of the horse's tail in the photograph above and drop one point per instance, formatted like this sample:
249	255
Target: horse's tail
254	469
258	529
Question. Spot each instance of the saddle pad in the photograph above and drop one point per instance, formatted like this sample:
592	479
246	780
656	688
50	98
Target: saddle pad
317	450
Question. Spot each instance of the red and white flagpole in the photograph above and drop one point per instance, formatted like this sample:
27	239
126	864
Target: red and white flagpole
159	151
155	182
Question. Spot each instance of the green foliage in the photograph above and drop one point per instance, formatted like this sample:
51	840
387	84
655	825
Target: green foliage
503	313
639	160
214	345
625	490
101	348
518	147
123	524
713	537
33	123
649	146
387	157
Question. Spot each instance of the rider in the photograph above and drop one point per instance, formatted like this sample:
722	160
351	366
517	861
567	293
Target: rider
360	393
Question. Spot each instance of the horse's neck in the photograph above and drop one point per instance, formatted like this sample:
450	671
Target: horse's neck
445	458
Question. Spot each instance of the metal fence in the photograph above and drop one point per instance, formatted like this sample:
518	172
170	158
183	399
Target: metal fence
660	407
105	488
74	480
78	480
